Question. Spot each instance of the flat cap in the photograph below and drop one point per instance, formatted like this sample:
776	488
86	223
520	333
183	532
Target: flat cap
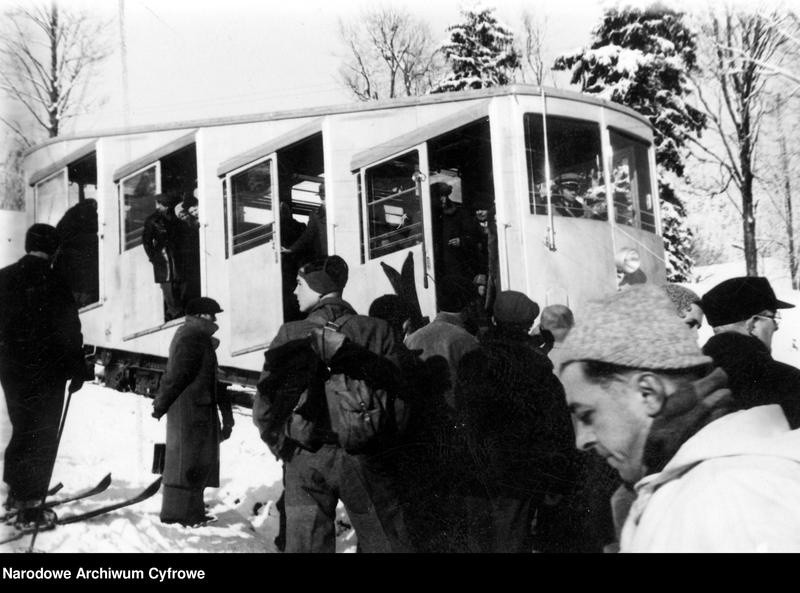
737	299
634	328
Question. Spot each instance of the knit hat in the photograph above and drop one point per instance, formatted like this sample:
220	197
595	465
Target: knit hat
453	293
202	305
514	307
42	237
682	298
326	274
557	317
634	328
737	299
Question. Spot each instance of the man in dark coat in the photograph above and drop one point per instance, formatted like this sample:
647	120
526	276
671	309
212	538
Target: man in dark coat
316	480
189	397
78	259
518	430
160	239
744	314
41	347
187	248
313	241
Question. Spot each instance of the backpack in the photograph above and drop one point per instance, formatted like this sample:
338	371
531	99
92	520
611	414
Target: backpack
360	390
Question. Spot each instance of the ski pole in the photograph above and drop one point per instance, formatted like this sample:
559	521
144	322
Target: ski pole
50	477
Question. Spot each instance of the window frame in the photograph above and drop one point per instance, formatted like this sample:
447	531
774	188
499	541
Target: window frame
364	205
230	235
120	185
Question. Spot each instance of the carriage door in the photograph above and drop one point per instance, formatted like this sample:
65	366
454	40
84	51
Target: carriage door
254	251
396	218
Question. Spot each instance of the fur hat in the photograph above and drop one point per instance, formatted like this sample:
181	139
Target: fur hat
635	328
512	307
737	299
324	275
42	237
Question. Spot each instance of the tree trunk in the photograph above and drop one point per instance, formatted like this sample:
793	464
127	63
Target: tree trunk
787	194
749	228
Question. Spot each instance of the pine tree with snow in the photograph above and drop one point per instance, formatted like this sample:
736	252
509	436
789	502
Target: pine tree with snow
480	52
640	58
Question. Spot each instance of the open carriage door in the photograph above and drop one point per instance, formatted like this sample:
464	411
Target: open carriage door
254	251
396	215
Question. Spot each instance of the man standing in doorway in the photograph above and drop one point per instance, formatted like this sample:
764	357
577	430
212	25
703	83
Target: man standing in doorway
160	239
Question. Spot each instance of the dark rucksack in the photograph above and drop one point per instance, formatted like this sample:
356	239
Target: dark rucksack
361	390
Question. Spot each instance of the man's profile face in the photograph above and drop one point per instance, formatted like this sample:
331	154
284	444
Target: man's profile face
306	297
609	419
693	317
764	326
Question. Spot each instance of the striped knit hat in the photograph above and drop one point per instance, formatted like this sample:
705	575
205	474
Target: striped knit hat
634	328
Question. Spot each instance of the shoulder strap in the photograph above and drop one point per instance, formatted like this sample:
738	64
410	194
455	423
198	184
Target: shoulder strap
338	323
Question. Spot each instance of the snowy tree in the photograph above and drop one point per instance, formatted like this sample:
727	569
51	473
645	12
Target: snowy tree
743	52
392	54
480	52
533	49
47	59
640	58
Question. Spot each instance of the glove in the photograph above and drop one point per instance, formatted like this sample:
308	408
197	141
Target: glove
75	384
226	432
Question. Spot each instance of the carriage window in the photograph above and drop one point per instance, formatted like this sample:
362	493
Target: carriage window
251	211
576	171
138	199
630	175
50	201
394	211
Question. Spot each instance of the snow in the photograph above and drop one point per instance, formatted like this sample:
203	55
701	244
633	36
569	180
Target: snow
111	431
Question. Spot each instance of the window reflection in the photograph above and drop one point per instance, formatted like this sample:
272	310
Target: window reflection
631	178
50	200
393	207
251	197
574	149
138	192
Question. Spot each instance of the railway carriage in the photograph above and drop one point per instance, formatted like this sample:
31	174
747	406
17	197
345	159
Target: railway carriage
571	179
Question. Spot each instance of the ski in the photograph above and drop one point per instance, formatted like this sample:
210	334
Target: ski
49	504
143	495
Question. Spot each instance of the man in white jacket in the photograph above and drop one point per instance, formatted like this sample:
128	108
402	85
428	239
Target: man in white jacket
643	396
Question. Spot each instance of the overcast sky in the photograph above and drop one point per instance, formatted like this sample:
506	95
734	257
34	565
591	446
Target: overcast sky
204	58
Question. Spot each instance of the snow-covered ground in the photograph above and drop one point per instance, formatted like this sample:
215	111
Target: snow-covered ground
109	431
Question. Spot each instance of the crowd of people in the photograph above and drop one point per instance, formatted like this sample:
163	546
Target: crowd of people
608	430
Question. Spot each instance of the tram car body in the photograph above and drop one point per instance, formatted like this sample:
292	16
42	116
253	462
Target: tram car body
571	179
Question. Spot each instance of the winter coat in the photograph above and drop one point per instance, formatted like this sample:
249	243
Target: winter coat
78	259
187	249
444	337
188	396
732	487
755	378
367	335
313	242
463	259
40	331
520	436
159	239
